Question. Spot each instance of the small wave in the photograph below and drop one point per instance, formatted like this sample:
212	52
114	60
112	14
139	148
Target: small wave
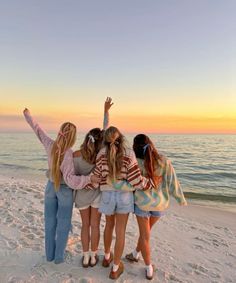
12	166
197	176
38	159
5	154
225	174
210	197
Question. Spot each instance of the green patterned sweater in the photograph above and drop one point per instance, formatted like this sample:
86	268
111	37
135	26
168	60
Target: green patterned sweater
157	199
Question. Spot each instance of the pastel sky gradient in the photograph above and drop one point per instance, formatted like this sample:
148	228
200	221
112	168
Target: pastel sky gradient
169	65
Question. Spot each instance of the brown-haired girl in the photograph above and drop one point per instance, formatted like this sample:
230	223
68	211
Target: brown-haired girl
150	204
88	200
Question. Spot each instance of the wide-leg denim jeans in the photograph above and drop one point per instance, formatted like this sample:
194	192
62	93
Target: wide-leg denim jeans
57	215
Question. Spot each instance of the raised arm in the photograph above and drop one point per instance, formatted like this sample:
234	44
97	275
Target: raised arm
174	185
42	136
107	105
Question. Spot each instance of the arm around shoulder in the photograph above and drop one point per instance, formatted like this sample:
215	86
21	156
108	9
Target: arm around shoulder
68	171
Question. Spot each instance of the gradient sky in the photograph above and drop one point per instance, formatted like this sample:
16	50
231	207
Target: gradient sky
169	65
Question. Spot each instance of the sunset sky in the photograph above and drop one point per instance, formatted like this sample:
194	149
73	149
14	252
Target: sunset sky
170	65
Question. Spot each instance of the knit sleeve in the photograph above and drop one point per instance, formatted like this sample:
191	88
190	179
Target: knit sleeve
134	176
96	171
174	185
42	136
67	168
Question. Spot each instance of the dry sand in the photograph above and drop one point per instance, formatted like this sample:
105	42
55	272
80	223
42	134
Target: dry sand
189	244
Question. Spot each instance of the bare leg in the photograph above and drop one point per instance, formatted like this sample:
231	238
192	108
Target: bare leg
145	224
121	222
152	221
95	217
85	229
108	231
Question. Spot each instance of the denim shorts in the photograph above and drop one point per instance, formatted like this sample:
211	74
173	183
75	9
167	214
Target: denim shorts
116	202
143	213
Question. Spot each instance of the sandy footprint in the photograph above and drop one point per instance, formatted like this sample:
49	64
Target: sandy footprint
11	244
39	271
171	277
15	279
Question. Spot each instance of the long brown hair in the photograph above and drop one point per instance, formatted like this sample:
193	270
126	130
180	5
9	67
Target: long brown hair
65	139
115	145
91	145
145	149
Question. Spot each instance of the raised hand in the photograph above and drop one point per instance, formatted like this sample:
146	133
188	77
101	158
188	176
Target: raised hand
26	111
108	103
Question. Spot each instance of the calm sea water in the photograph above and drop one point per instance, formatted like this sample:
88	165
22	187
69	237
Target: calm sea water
205	164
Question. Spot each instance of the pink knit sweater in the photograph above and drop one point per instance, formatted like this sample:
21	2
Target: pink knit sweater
67	165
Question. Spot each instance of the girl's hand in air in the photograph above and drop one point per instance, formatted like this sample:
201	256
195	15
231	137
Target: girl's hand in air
108	103
26	111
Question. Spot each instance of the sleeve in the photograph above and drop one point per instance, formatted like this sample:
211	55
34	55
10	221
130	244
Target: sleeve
135	178
42	136
96	171
174	185
106	120
68	172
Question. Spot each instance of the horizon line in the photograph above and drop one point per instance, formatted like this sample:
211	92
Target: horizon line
128	132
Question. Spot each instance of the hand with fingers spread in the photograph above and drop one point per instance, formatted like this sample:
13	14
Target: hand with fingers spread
108	103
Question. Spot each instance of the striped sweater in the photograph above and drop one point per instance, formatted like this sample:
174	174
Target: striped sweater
129	179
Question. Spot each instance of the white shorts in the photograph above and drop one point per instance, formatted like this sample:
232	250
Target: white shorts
94	204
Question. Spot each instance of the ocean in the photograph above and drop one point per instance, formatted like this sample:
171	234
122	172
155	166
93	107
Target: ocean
205	164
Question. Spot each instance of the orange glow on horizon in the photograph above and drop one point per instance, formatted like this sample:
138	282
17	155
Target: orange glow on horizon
134	124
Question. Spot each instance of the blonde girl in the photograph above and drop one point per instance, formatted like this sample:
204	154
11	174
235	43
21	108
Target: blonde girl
58	201
116	164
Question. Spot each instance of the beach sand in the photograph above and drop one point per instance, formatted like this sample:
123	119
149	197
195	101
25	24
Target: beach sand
189	244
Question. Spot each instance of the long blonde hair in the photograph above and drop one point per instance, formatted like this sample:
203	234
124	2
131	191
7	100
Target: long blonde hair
65	140
114	142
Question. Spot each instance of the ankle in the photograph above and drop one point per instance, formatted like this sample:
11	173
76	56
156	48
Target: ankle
136	254
93	253
107	255
86	257
115	267
149	269
93	257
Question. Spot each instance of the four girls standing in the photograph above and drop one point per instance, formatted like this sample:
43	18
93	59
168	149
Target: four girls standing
118	173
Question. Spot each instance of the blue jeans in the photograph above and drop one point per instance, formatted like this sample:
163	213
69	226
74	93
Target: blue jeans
57	215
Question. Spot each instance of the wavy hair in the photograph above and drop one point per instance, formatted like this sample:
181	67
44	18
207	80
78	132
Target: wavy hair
115	145
91	145
145	149
65	140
